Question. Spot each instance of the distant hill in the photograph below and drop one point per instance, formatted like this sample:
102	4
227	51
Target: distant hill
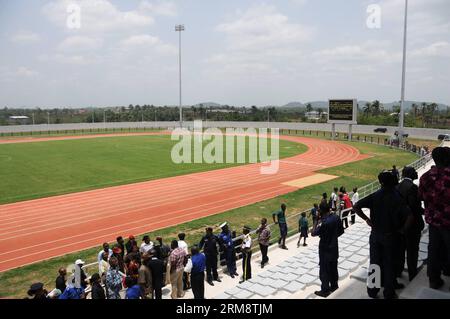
208	104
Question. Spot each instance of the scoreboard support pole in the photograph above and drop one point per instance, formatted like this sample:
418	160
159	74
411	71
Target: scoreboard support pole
333	131
350	126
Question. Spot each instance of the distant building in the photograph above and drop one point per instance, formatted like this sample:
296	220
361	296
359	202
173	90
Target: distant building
18	119
315	115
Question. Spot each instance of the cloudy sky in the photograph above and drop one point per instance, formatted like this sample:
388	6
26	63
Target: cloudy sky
238	52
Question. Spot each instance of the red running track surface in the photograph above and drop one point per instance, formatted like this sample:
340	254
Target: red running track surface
39	229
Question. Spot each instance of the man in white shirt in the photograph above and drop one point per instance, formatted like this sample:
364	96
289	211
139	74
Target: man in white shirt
334	198
355	199
182	244
146	245
105	249
246	249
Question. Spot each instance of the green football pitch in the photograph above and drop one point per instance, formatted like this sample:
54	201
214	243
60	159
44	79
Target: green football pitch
40	169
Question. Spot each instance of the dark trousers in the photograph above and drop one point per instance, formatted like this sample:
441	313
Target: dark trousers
230	258
211	267
382	253
345	219
186	283
264	249
328	272
198	285
246	265
412	241
438	252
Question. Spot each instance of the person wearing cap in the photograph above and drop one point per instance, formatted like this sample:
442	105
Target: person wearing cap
37	291
281	221
157	268
146	245
60	282
388	212
196	267
113	279
72	291
264	241
434	192
97	291
413	232
246	249
227	243
209	244
145	278
83	278
328	229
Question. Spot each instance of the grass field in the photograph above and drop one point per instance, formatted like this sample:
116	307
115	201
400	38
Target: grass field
16	282
34	170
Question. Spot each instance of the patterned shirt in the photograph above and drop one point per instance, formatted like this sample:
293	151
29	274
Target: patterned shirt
176	258
113	283
264	235
434	190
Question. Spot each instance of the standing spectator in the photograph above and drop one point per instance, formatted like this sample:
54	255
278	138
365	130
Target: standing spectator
83	278
105	249
162	250
133	263
130	243
117	253
314	214
176	259
434	190
156	267
413	232
121	244
226	241
334	199
324	203
104	265
281	221
355	199
302	229
183	245
113	279
346	205
246	255
61	279
181	242
209	244
329	229
395	172
196	266
387	220
97	291
145	278
264	241
133	289
146	245
37	291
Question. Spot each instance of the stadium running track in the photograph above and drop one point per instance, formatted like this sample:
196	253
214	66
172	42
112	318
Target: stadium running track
39	229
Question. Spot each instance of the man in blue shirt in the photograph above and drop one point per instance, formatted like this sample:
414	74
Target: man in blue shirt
226	241
196	266
133	290
328	230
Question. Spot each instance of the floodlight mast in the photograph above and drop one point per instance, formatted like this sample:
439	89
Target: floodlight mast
179	28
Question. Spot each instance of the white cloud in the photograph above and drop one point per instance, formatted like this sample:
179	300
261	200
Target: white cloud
163	8
98	16
25	37
139	40
25	72
437	49
80	43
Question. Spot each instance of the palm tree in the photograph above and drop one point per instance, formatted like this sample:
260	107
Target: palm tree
376	107
309	107
367	109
